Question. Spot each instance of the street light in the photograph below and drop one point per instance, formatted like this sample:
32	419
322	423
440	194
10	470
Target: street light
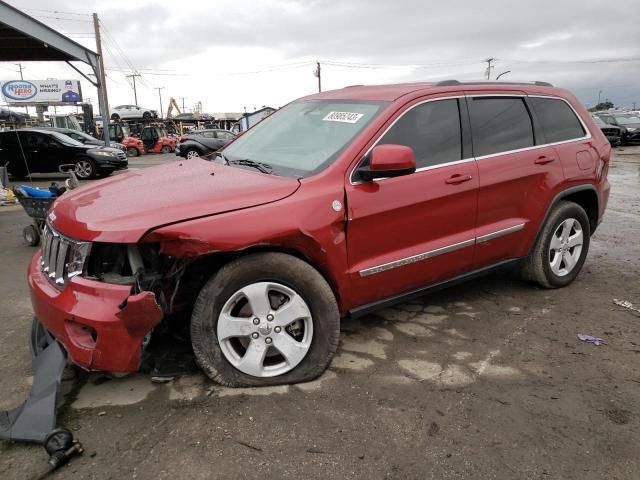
599	95
503	73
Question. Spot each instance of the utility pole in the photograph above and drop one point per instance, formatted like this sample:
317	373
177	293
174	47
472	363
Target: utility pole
19	65
182	98
135	93
489	67
103	100
317	73
599	96
160	97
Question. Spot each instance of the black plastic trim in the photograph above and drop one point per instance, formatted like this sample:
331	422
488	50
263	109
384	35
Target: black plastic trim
403	297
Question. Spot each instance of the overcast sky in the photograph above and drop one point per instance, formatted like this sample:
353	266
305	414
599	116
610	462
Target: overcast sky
246	54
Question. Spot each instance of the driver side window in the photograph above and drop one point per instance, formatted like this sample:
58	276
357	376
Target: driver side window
432	130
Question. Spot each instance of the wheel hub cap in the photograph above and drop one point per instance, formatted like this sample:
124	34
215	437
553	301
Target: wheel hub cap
565	247
265	329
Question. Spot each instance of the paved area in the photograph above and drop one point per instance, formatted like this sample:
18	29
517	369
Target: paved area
484	380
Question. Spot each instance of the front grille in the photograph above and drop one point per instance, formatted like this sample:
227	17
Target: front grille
121	156
57	252
611	132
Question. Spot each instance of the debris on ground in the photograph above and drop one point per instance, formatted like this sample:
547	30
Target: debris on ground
626	304
591	339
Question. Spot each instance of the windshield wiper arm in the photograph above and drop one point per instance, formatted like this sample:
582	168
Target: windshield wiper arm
260	166
221	155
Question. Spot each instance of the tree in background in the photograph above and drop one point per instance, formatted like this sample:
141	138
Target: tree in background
606	105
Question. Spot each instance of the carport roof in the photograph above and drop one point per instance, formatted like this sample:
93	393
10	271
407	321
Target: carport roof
23	38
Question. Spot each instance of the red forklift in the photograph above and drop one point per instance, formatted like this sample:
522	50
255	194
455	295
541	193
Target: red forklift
156	140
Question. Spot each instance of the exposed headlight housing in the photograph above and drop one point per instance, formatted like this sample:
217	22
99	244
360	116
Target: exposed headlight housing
102	153
77	257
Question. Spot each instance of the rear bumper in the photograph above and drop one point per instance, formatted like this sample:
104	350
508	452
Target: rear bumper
87	319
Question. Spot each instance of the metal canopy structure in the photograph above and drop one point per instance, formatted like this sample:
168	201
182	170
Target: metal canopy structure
23	38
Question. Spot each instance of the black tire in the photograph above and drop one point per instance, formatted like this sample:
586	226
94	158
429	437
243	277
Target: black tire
115	116
165	149
277	267
88	169
192	153
132	152
31	235
537	266
146	116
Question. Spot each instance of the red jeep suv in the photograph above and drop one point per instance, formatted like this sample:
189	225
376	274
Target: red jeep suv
337	204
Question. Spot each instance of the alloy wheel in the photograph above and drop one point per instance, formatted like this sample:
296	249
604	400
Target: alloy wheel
84	169
265	329
193	154
565	247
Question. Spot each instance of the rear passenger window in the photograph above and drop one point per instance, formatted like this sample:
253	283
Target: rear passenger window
432	130
557	120
499	124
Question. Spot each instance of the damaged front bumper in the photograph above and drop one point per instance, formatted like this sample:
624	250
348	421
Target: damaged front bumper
100	325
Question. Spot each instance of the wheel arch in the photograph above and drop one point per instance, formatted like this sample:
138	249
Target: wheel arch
203	267
584	195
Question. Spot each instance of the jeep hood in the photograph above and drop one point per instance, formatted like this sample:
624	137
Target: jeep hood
126	206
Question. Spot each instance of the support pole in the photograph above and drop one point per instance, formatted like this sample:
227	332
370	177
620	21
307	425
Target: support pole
103	100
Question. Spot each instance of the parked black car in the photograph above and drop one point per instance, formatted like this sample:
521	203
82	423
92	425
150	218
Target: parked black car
33	150
613	133
628	123
85	137
202	142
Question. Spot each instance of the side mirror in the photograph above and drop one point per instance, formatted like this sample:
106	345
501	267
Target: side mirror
389	161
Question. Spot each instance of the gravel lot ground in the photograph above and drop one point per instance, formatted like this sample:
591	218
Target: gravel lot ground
484	380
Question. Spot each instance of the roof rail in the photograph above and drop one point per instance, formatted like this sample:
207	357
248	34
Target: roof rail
449	83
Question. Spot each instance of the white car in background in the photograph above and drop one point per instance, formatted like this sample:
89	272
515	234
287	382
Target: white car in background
132	112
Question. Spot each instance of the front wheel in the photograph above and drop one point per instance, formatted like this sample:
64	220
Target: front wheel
165	149
132	152
561	249
265	319
85	168
192	153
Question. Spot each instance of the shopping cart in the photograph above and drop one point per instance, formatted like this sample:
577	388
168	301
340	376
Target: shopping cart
37	207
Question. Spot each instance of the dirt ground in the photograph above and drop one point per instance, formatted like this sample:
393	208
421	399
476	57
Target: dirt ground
484	380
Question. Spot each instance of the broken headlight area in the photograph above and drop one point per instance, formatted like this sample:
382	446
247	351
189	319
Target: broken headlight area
140	265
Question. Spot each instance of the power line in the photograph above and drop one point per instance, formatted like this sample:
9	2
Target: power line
56	12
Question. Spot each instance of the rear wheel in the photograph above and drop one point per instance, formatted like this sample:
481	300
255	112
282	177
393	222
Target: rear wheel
165	149
31	235
132	152
146	116
85	168
265	319
561	249
115	116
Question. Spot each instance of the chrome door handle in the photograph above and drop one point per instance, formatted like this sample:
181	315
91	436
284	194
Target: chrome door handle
457	178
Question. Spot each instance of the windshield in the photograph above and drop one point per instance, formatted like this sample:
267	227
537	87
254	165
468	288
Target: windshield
303	138
628	120
66	140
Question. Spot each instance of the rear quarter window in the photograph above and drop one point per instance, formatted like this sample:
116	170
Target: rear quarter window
557	120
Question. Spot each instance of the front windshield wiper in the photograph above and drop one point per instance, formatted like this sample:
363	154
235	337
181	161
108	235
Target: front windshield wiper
221	155
260	166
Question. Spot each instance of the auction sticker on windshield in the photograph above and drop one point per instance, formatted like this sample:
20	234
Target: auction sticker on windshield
346	117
